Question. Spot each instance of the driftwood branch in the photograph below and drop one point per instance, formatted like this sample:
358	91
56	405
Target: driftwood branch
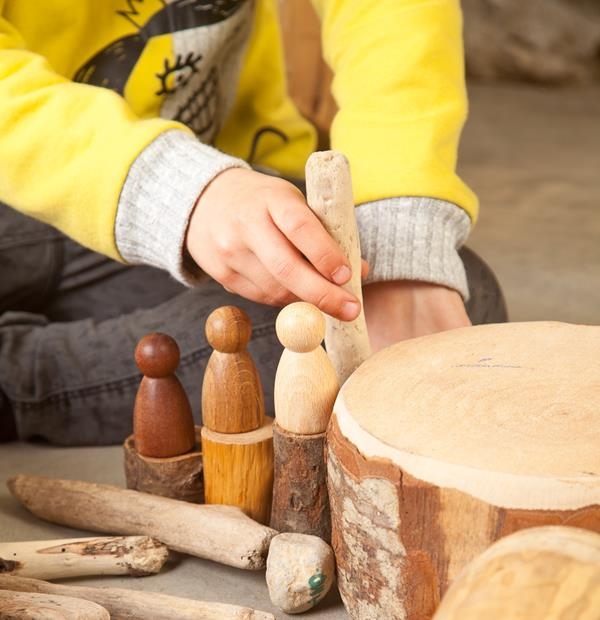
31	606
220	533
57	559
127	604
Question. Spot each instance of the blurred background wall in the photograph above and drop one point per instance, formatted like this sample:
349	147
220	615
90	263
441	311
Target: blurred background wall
530	149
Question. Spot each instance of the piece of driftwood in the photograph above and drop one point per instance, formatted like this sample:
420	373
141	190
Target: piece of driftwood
78	557
125	604
220	533
238	469
440	445
34	606
329	195
178	477
541	573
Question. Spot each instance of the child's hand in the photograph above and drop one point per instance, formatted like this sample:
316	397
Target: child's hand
405	309
256	235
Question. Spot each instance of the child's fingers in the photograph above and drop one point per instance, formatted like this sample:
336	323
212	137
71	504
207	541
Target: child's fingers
302	227
297	275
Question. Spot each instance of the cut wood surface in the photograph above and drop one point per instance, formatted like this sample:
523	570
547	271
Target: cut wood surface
238	469
543	573
78	557
329	195
178	477
442	444
125	604
33	606
220	533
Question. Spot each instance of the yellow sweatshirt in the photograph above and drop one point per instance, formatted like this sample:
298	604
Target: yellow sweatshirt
100	101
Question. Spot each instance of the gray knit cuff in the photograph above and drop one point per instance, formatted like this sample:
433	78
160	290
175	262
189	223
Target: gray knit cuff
414	238
157	200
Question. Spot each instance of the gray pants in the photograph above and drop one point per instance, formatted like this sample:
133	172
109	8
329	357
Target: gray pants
70	320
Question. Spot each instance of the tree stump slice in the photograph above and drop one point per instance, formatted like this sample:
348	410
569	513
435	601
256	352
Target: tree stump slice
440	445
238	469
542	573
178	477
300	502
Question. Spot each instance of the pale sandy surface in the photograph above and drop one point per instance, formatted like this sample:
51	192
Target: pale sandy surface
533	156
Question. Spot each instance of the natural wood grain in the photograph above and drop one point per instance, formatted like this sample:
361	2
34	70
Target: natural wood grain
543	573
34	606
329	195
440	445
238	469
300	501
232	395
178	477
220	533
163	425
128	604
78	557
306	383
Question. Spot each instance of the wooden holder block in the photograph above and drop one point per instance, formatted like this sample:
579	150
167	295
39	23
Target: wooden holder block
178	477
238	469
542	573
440	445
300	501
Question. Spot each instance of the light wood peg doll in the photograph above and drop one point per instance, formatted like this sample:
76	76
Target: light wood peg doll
306	383
232	394
163	425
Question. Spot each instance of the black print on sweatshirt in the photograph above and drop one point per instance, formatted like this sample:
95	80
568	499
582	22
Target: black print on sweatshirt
113	65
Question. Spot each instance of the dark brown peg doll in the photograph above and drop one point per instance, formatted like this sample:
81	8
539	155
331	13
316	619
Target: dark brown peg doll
163	425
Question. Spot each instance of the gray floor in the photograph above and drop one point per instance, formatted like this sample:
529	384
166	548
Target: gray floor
533	156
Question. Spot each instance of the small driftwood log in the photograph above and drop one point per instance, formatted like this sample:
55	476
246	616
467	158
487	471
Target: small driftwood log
440	445
220	533
177	477
34	606
57	559
329	195
542	573
127	604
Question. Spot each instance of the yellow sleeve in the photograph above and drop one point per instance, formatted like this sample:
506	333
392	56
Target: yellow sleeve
65	148
399	84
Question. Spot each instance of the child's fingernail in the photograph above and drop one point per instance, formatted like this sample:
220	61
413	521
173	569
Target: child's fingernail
341	275
350	310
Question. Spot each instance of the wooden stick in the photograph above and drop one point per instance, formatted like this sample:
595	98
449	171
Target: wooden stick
56	559
329	195
127	604
32	606
550	572
220	533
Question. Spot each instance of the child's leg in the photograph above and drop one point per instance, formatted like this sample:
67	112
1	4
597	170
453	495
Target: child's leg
69	322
